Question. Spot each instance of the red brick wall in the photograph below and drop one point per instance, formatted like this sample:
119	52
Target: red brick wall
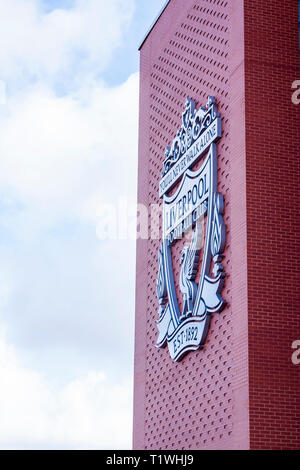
272	148
197	49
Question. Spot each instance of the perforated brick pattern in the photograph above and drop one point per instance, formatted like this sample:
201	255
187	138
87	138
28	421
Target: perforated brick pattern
188	405
242	390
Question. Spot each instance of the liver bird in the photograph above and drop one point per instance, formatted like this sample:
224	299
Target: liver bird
189	260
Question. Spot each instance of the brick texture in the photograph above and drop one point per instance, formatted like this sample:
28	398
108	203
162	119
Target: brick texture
216	397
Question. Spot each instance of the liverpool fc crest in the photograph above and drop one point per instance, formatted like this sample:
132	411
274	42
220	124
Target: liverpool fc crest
192	211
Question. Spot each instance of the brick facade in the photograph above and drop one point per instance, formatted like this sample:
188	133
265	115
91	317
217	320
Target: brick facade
241	391
272	168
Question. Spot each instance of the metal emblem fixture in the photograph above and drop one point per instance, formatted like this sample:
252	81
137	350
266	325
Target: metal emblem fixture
184	210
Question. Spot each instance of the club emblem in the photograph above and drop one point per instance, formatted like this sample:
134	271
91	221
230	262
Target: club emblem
192	211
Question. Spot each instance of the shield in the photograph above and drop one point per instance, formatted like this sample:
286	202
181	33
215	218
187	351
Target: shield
190	197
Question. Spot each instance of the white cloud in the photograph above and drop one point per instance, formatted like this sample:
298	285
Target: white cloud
72	41
64	156
87	413
59	304
61	158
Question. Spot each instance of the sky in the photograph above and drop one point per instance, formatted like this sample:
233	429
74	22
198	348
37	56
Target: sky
68	158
